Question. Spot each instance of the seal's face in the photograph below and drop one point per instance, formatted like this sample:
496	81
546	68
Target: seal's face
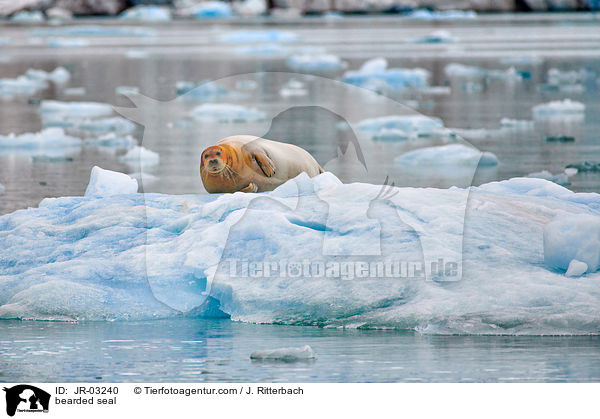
214	160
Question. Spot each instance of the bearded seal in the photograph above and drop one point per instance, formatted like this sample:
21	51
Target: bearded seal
252	164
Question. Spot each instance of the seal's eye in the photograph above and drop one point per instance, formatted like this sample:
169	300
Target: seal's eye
206	156
218	153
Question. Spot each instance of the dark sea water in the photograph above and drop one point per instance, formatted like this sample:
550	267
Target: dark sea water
218	350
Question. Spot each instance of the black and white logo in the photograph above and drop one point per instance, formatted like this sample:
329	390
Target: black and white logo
26	398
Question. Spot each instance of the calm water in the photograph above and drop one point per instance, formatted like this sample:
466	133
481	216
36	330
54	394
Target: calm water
190	350
218	350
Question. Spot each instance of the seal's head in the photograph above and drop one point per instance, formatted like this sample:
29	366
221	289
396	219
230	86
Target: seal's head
214	160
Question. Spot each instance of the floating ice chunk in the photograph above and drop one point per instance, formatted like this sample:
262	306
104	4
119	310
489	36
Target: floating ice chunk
559	109
263	49
111	140
436	37
319	63
572	237
585	166
49	138
226	113
375	75
105	183
60	75
127	90
302	353
567	81
140	155
461	71
32	82
67	43
256	37
28	17
147	13
560	178
576	268
143	178
402	127
203	91
94	30
250	7
424	14
86	126
53	109
446	155
293	88
207	10
517	124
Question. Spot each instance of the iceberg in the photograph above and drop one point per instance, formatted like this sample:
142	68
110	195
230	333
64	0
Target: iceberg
105	183
375	75
147	13
258	37
402	127
302	353
147	256
316	63
226	113
569	238
446	155
140	156
559	110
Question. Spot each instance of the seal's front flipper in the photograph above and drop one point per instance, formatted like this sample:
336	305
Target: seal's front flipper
250	188
265	163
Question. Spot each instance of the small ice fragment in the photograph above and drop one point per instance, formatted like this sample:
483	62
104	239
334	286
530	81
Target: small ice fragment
104	183
147	13
226	113
140	155
319	63
559	109
127	90
284	354
576	268
446	155
28	17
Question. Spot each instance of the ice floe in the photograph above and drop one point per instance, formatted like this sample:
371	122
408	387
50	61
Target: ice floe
147	13
105	183
50	141
111	140
32	82
302	353
140	156
226	113
258	37
566	109
375	75
402	127
446	155
28	17
316	63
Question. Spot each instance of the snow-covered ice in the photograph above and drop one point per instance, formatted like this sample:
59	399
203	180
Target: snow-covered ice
302	353
571	237
226	113
316	63
446	155
105	183
140	156
375	75
147	13
256	36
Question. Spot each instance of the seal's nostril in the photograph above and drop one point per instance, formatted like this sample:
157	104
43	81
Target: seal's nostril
213	161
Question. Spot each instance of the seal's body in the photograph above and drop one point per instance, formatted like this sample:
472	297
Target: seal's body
252	164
